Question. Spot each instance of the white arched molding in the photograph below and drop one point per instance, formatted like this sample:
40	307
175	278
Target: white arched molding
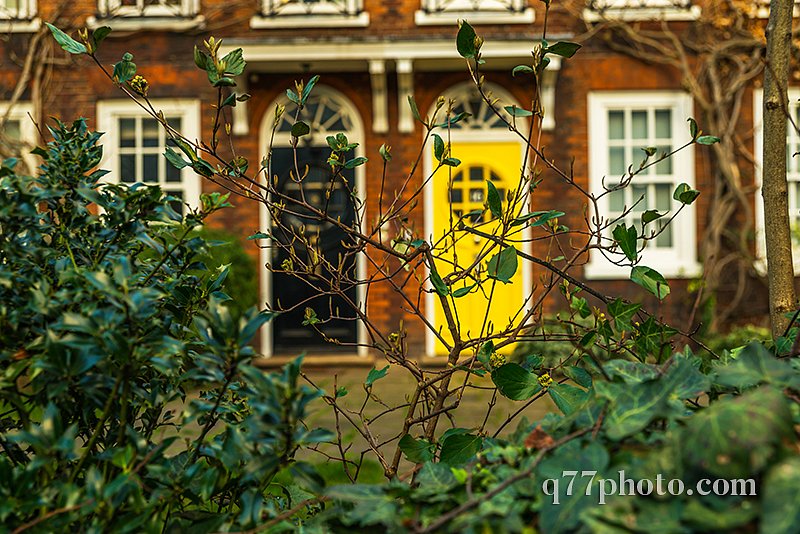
482	126
327	112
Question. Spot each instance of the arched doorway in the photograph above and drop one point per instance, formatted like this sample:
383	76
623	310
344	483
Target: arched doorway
488	151
328	113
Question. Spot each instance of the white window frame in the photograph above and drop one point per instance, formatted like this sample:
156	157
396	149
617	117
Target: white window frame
23	20
151	17
27	129
296	14
433	13
762	8
110	111
680	260
598	10
758	131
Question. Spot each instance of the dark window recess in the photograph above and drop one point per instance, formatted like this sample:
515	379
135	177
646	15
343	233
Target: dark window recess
289	334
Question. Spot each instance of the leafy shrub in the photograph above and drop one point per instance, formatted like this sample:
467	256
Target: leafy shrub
105	330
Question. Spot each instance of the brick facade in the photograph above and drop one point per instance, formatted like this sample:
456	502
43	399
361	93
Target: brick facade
165	58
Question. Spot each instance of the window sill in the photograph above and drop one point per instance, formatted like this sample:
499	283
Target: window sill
476	18
20	26
148	23
646	13
604	270
310	21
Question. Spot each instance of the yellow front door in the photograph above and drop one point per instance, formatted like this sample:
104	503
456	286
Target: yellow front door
459	194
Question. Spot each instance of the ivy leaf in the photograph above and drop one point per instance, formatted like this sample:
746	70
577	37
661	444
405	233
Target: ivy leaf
515	383
417	451
708	140
626	239
459	449
567	398
493	199
651	280
67	43
465	41
579	375
514	111
503	265
651	215
564	49
780	502
685	194
374	375
438	284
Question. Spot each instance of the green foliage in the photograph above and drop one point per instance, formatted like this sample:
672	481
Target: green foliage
114	344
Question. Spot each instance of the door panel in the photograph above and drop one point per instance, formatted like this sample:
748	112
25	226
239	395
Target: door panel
461	191
289	334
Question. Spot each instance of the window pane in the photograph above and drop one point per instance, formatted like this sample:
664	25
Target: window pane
616	125
12	130
664	124
150	168
664	166
616	200
456	195
457	177
127	168
173	174
663	197
637	192
616	160
664	239
639	125
476	196
127	132
150	132
476	174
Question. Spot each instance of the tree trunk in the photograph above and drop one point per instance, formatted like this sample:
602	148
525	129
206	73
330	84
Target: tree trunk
780	269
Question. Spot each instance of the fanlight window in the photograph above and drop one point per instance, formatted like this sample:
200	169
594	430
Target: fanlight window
481	115
17	9
311	7
148	8
442	6
324	112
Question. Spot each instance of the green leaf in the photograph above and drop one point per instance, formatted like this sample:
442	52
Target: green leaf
355	162
438	284
580	305
438	147
564	49
494	200
631	372
307	88
708	140
230	100
521	69
547	217
384	152
514	111
579	375
234	62
124	70
459	449
485	354
503	265
567	398
414	108
292	96
756	365
460	292
175	159
626	239
516	383
651	215
650	151
417	451
623	313
200	58
451	162
692	127
67	43
780	500
685	194
375	375
651	280
99	35
300	128
738	437
465	41
225	81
